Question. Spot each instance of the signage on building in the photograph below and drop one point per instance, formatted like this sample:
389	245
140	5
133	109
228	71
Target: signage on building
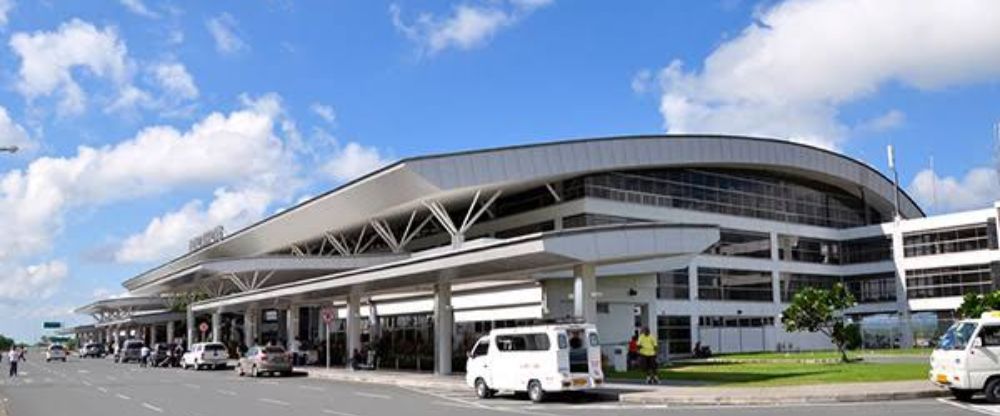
51	325
203	327
208	238
329	314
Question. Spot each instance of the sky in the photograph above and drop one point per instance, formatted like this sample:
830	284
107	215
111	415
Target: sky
144	123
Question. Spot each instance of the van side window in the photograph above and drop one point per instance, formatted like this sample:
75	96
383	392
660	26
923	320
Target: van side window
990	335
563	343
523	342
594	342
481	349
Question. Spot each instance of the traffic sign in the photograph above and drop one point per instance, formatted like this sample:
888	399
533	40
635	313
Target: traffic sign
203	327
329	314
52	325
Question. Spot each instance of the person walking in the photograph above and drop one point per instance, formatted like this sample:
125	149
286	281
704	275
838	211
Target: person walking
633	351
144	357
13	357
648	346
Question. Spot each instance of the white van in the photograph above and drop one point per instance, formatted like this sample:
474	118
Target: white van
536	359
967	358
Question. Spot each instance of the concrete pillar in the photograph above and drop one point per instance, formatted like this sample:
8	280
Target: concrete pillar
217	326
444	327
292	325
250	325
170	332
353	325
153	339
584	288
775	270
190	327
902	302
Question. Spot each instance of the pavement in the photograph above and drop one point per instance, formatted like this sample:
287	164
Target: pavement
94	387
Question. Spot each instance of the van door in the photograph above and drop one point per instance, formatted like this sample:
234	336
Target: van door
984	360
594	355
479	362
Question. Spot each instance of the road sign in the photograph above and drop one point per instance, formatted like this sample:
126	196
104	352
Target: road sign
51	325
329	314
203	327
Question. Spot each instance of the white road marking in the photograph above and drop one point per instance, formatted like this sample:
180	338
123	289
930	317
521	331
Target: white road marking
227	392
102	390
112	378
269	383
122	396
452	404
970	407
151	407
83	371
372	395
86	383
275	402
28	381
193	386
334	412
313	388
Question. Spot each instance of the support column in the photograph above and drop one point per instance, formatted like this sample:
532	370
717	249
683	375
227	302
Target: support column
170	332
190	327
902	302
292	325
353	325
153	339
217	326
250	325
775	270
584	288
444	327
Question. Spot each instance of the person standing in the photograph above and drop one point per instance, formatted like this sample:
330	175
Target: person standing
13	357
144	356
633	351
296	347
648	346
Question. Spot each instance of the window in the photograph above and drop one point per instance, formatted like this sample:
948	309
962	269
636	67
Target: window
672	284
742	244
792	283
990	335
563	343
866	250
481	349
809	250
594	341
946	240
872	288
675	333
735	321
731	284
587	220
603	308
526	229
948	281
522	342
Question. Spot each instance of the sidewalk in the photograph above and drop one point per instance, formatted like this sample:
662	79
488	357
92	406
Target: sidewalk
675	395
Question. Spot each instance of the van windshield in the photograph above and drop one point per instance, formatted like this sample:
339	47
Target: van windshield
957	337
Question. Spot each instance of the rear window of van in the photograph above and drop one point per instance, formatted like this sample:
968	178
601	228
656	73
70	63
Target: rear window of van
523	342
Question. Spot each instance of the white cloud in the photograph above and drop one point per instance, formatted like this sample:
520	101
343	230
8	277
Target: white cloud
787	73
168	234
979	188
175	80
139	8
12	134
38	281
324	112
225	31
5	7
642	81
49	60
892	119
238	148
353	160
466	27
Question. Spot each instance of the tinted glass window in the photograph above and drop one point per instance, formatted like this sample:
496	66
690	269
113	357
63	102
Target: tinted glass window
56	347
593	340
522	342
990	336
481	349
214	347
273	350
563	343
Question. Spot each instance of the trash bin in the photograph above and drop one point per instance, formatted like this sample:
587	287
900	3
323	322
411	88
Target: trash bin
620	360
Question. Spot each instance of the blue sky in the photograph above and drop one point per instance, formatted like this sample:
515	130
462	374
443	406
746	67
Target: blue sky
143	123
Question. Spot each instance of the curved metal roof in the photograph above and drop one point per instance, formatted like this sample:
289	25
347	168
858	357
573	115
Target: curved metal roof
402	185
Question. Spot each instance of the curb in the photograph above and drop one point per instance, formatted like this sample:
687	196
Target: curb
645	398
361	377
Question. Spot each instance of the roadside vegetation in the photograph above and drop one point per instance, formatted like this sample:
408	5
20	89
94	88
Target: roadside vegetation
783	374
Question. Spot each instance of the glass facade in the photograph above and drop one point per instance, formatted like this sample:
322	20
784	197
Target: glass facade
746	193
731	284
675	333
792	283
742	244
587	220
872	288
526	229
948	240
672	284
866	250
814	250
948	281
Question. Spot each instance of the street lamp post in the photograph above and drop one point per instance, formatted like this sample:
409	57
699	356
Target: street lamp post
11	149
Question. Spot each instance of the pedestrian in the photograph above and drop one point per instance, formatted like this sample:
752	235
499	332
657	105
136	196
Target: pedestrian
296	346
144	356
13	356
648	347
633	351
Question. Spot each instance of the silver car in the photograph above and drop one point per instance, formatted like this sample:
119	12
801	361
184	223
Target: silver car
260	360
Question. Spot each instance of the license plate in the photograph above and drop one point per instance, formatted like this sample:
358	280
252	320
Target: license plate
942	378
580	382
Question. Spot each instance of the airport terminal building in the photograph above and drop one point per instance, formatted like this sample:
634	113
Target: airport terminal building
704	239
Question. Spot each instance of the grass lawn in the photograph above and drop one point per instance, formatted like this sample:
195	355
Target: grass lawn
783	374
823	355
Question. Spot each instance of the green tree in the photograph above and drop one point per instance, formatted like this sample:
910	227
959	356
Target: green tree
5	343
821	310
974	304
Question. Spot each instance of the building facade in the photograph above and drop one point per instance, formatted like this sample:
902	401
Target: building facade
703	239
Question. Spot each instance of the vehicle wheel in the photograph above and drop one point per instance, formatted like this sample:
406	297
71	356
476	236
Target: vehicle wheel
482	390
962	395
47	360
535	392
993	390
254	372
64	360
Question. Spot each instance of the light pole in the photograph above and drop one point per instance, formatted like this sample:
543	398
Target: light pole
11	149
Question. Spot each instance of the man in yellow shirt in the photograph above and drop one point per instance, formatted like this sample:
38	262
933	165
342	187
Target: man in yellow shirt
647	353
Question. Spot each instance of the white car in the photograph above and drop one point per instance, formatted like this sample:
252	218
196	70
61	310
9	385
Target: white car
55	352
536	359
205	355
967	358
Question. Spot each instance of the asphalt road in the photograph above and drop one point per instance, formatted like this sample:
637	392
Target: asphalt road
99	387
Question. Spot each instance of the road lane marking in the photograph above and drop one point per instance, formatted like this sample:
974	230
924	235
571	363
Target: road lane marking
227	392
102	390
336	413
193	386
372	395
112	378
83	371
452	404
269	383
968	407
86	383
151	407
274	402
313	388
122	396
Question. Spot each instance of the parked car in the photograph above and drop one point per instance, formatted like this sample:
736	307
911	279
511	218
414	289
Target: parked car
205	354
536	359
265	360
966	358
55	352
92	350
131	351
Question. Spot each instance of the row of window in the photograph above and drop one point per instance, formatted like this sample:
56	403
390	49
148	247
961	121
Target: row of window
950	240
755	286
735	321
949	281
